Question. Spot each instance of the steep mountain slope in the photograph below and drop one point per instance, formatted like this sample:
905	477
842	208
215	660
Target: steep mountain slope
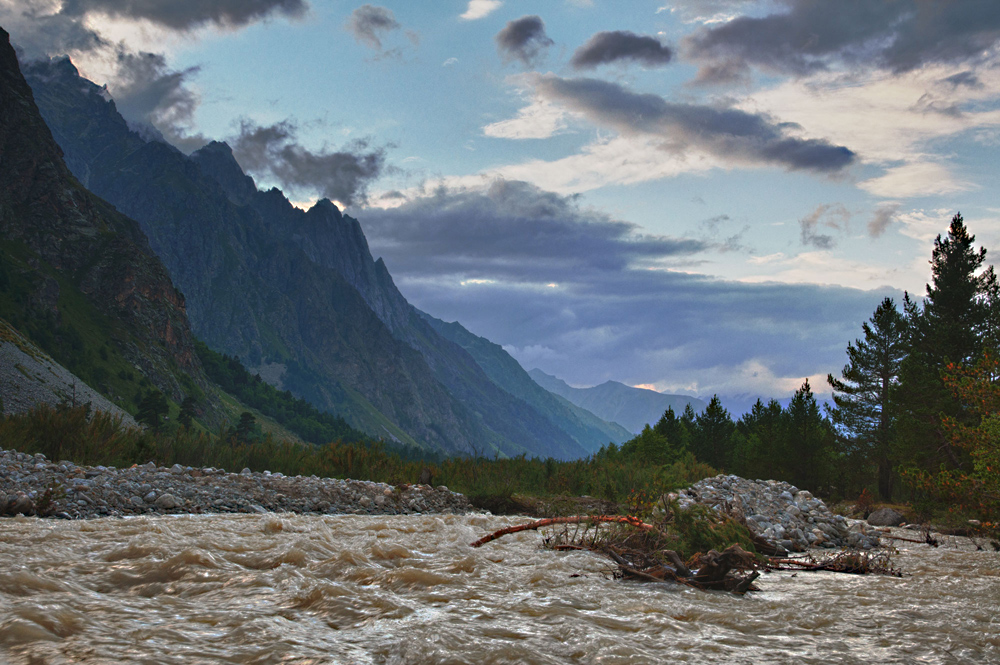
294	293
586	428
613	401
77	276
336	241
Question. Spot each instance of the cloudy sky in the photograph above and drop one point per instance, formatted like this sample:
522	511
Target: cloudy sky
698	196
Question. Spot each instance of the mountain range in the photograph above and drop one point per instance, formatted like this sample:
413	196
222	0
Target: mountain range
613	401
297	296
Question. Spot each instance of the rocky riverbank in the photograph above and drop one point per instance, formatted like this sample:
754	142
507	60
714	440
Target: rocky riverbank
779	512
33	485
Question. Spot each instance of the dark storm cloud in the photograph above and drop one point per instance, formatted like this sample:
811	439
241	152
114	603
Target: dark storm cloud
809	35
149	94
828	215
729	71
615	46
188	14
725	132
966	78
38	34
512	230
273	152
368	22
523	39
558	284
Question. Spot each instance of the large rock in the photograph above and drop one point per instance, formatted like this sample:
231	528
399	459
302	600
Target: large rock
885	517
778	512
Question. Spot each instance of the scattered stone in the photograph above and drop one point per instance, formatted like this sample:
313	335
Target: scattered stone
102	491
885	517
166	501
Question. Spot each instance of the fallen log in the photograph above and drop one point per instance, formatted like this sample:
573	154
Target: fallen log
928	539
574	519
851	562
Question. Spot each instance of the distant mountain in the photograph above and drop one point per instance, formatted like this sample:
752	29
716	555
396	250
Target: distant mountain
742	403
294	294
616	402
586	428
76	276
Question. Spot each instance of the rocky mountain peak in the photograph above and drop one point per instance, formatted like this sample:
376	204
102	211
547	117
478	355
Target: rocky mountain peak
217	161
328	207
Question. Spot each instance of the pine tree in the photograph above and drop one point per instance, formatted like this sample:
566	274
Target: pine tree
151	409
246	428
957	320
807	439
865	410
755	450
713	429
187	413
675	431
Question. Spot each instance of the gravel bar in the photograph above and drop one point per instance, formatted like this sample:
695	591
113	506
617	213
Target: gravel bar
33	485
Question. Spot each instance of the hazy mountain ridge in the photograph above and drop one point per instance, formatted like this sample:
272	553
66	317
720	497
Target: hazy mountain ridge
615	402
587	429
270	283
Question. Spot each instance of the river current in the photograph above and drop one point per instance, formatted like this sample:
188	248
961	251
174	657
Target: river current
409	589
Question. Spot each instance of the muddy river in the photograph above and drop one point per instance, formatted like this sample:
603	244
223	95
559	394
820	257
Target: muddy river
408	589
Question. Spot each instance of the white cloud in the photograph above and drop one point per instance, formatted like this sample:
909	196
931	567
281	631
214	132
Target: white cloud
480	9
752	377
449	62
619	160
539	120
821	267
915	179
925	226
891	120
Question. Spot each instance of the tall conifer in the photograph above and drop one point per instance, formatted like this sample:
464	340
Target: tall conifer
865	413
953	326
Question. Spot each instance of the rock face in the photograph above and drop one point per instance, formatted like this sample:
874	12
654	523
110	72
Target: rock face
29	377
885	517
278	286
63	242
32	485
780	512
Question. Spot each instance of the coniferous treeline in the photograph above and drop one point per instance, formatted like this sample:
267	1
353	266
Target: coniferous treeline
794	443
895	411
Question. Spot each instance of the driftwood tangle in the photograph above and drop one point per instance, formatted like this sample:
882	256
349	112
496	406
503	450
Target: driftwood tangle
733	569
